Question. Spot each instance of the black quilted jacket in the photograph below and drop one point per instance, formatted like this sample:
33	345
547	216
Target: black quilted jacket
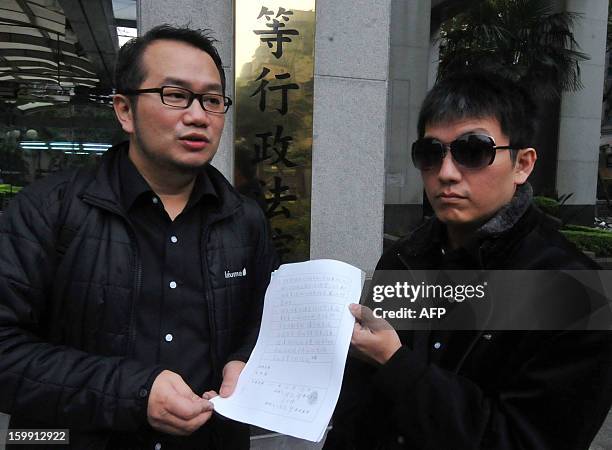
67	314
486	390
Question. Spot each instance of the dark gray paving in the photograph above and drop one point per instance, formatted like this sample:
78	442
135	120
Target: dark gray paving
274	441
603	441
3	425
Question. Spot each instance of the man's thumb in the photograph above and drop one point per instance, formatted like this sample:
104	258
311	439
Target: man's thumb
227	388
355	311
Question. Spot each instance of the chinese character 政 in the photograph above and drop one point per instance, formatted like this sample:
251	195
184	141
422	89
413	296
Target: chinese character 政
261	152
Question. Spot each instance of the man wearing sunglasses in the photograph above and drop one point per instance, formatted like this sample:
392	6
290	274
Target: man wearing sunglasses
463	389
132	293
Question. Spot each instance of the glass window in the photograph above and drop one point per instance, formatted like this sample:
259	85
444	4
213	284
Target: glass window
55	89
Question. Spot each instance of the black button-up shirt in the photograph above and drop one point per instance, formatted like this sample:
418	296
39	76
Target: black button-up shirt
171	315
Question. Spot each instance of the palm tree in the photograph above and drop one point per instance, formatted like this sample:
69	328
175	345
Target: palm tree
522	39
527	41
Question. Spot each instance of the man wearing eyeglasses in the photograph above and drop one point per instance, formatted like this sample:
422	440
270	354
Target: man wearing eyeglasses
472	389
131	294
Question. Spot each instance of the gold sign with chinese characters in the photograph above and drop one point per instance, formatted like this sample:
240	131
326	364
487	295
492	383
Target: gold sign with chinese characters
273	107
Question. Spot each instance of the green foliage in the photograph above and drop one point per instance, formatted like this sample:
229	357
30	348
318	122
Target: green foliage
585	238
9	189
554	206
590	239
549	205
585	229
521	39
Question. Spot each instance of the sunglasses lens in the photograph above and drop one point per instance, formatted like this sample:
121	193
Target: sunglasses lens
473	151
427	153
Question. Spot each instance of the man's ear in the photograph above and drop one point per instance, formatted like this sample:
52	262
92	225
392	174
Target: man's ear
124	110
524	164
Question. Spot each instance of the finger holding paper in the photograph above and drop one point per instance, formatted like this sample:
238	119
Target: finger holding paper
373	337
209	394
231	372
174	408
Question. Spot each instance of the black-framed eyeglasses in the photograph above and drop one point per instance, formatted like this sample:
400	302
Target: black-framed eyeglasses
471	151
179	97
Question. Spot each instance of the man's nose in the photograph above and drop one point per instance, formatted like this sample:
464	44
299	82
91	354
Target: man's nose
449	172
196	114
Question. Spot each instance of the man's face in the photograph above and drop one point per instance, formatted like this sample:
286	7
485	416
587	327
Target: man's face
172	138
466	198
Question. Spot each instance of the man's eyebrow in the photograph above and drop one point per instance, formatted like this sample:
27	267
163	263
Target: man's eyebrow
476	130
211	87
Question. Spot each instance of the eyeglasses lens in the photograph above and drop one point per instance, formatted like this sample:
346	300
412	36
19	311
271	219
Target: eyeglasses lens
471	151
427	153
176	97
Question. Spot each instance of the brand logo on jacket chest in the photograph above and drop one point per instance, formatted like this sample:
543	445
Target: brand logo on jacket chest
240	273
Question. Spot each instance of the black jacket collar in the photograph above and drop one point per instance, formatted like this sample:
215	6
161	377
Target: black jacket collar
104	191
511	221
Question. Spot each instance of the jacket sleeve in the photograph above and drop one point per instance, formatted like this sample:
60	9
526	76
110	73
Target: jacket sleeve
557	400
41	381
266	261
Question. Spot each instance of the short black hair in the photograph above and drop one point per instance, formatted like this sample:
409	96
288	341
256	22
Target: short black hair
129	72
473	94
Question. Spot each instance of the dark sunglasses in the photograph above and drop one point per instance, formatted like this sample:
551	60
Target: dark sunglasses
471	151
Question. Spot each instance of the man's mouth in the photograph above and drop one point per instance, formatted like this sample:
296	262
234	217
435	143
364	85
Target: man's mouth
195	138
194	141
450	195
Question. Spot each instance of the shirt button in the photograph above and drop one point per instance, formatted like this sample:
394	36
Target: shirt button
173	239
155	200
173	285
401	440
169	337
158	446
437	345
143	393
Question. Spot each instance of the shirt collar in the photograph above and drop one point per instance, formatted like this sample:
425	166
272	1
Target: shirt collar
133	185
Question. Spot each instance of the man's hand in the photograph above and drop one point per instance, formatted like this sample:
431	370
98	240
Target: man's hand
231	372
174	408
372	337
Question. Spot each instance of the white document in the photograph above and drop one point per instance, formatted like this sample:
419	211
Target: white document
292	380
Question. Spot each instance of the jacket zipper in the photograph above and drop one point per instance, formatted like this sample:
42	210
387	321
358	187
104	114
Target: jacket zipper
217	376
137	266
209	308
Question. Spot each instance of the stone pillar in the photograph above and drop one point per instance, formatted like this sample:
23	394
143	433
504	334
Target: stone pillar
409	68
4	422
350	115
580	120
350	130
218	16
